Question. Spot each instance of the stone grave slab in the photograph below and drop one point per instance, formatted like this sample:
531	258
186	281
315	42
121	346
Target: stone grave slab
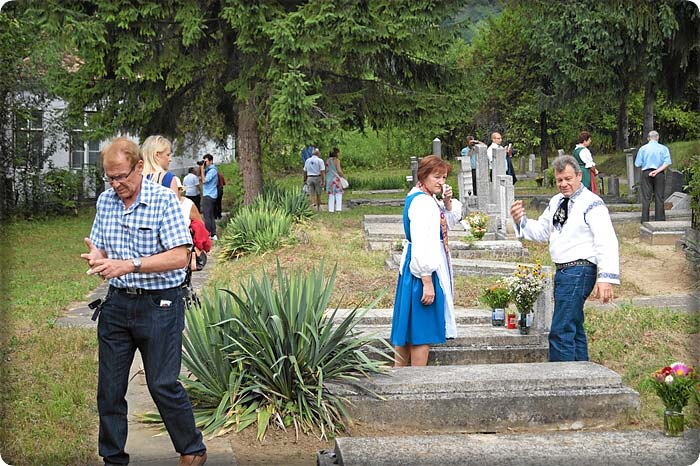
663	233
491	397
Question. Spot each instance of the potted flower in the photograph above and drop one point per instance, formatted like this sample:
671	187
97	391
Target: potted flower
525	286
674	384
476	223
496	297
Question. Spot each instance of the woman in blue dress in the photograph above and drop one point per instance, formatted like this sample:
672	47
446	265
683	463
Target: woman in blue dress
424	304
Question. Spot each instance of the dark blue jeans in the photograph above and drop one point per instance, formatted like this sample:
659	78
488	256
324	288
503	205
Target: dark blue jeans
567	338
149	323
209	214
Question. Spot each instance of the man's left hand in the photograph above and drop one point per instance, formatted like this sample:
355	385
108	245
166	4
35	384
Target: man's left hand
111	268
604	291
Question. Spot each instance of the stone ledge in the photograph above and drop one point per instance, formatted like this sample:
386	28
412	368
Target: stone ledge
488	397
632	448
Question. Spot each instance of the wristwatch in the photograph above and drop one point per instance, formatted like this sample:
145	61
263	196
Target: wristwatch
137	264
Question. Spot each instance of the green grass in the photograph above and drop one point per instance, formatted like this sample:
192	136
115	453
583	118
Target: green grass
49	374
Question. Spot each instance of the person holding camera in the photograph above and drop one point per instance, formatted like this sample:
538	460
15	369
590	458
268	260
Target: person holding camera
470	151
209	176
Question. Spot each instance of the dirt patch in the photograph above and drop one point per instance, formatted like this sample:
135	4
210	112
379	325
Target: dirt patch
653	270
278	448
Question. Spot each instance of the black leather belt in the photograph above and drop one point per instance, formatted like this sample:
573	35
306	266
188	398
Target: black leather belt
139	291
578	262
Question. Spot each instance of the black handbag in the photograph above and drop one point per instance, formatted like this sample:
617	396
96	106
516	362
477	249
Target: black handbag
201	260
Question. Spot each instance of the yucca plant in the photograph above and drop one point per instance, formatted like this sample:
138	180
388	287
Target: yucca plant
294	202
266	355
255	228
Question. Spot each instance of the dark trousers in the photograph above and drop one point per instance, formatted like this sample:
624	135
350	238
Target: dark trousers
209	214
567	337
474	181
196	201
219	197
657	185
128	322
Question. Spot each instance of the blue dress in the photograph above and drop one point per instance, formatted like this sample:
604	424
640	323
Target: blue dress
413	322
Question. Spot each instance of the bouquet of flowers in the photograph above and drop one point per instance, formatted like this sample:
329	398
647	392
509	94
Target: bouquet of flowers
675	384
476	223
525	285
495	296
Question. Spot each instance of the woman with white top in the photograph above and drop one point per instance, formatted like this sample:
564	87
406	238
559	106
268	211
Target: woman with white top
583	156
424	302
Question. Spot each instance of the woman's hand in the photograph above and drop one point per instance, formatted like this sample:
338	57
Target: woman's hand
428	290
447	196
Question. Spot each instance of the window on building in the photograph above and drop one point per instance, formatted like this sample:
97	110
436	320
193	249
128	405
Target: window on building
83	151
29	139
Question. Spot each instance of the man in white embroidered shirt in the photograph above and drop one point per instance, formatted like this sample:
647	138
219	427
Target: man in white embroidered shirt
583	246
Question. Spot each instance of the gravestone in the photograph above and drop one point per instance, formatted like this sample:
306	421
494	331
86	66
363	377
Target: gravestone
414	170
506	196
482	179
437	147
613	186
531	164
560	152
679	201
633	173
664	232
675	182
464	183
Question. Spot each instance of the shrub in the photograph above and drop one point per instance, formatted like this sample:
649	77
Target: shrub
294	201
267	354
256	228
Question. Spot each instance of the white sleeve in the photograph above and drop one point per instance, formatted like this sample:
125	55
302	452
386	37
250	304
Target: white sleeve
424	215
455	215
536	230
586	157
605	244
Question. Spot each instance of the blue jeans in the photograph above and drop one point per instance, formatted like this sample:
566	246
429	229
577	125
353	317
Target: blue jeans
209	214
149	323
567	337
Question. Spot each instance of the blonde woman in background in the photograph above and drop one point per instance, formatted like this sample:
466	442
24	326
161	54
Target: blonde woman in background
156	152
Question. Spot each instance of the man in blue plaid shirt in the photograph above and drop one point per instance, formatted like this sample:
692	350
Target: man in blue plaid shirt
139	242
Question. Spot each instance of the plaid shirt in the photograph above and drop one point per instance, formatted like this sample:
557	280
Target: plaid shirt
151	225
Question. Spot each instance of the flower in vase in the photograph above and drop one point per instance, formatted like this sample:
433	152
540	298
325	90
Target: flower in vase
525	285
675	385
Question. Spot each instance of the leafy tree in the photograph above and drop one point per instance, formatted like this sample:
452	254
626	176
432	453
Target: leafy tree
269	71
603	48
24	96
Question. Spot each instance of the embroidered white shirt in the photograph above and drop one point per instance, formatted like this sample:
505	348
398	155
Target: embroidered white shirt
586	157
587	234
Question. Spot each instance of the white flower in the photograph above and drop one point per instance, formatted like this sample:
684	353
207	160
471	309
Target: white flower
668	379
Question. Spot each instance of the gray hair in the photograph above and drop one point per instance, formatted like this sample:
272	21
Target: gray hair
560	163
654	135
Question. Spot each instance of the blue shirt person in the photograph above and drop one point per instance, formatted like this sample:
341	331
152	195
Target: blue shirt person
470	151
139	242
653	158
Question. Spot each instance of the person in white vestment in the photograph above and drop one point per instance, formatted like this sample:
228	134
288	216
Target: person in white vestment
584	248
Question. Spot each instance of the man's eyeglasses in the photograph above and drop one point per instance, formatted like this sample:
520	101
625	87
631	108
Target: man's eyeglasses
118	178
